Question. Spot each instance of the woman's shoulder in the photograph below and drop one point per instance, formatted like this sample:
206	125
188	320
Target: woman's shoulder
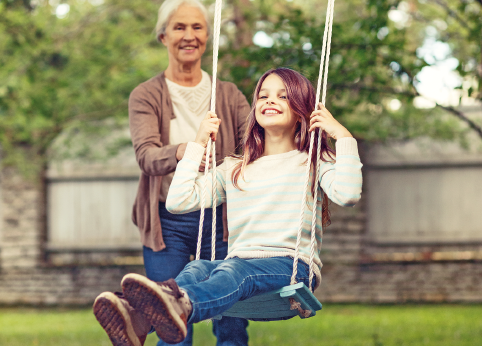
228	88
152	86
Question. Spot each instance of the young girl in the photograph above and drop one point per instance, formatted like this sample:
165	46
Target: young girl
263	190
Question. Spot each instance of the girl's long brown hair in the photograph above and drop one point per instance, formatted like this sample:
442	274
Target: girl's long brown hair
301	100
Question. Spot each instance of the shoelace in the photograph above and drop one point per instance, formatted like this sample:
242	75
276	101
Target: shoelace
120	295
172	285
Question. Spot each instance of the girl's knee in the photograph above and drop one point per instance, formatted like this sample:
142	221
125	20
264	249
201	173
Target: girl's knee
230	269
198	266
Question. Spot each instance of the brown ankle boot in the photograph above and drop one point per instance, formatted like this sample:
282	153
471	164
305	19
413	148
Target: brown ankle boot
123	325
164	304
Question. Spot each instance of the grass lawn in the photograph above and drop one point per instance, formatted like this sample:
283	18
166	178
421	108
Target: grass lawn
344	325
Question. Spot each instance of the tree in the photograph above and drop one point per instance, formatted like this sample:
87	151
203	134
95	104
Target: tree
374	61
69	72
459	24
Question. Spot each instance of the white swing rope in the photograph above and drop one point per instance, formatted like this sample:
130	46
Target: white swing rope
325	55
217	27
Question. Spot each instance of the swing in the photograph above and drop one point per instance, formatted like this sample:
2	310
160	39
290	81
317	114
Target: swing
296	298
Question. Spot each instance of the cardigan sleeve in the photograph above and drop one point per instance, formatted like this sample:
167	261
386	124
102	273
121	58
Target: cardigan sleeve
242	112
185	192
153	157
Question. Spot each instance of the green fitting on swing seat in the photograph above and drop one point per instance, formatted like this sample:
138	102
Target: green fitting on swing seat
275	305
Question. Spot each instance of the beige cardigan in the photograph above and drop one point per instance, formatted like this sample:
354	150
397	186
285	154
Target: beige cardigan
150	113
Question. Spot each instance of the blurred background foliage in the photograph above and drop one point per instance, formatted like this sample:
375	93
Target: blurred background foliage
67	66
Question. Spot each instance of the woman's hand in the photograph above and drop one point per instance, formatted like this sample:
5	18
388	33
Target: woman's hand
323	119
181	150
209	128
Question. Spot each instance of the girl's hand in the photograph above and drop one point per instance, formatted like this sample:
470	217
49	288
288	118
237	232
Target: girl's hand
323	119
209	128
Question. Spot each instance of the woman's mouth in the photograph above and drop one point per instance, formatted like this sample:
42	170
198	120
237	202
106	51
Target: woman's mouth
188	48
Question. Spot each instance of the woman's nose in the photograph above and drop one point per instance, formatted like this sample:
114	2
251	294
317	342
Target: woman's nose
189	34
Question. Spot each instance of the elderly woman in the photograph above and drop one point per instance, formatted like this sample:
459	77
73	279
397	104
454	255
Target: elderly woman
165	113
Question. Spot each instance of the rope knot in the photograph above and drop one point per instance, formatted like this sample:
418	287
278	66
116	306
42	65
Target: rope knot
294	305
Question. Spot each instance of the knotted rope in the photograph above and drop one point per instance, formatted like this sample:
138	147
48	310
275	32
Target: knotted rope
294	305
324	62
323	75
217	27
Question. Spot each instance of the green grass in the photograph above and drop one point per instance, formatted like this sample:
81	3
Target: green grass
344	325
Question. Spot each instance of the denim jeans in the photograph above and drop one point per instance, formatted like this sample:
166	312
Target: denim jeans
180	236
214	286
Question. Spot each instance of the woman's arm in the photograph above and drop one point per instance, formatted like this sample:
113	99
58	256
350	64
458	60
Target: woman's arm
153	157
185	192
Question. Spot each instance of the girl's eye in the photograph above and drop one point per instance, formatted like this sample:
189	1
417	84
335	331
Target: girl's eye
263	97
283	97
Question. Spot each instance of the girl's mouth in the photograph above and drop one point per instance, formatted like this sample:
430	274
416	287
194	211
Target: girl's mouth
271	111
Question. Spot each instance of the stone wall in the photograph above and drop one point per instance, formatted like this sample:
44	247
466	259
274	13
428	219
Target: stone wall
28	275
354	270
59	285
21	226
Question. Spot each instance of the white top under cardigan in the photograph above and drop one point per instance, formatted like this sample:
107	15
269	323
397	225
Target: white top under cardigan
190	105
264	216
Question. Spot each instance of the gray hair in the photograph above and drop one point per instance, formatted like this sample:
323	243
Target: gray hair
169	7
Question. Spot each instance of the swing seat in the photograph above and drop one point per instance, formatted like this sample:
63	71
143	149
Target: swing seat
275	305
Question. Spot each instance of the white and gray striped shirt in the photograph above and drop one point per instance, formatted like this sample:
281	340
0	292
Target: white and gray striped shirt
264	216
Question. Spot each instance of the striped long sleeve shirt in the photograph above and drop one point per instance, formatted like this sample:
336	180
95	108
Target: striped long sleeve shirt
264	214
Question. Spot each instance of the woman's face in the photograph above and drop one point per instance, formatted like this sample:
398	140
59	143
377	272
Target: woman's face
186	35
272	108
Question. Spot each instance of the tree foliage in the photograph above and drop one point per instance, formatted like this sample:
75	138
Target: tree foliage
69	73
373	62
458	24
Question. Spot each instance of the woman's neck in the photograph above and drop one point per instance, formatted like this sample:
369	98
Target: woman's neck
184	74
278	144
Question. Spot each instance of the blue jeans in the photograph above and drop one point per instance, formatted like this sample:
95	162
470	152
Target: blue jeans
180	236
213	287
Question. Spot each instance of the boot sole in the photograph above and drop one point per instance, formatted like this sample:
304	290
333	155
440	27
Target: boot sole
115	320
146	297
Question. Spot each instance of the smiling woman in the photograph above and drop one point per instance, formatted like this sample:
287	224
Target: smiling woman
184	33
165	113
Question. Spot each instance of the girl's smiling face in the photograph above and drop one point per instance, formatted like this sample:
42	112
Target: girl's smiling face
272	111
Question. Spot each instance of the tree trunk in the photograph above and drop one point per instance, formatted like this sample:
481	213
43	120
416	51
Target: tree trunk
244	27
